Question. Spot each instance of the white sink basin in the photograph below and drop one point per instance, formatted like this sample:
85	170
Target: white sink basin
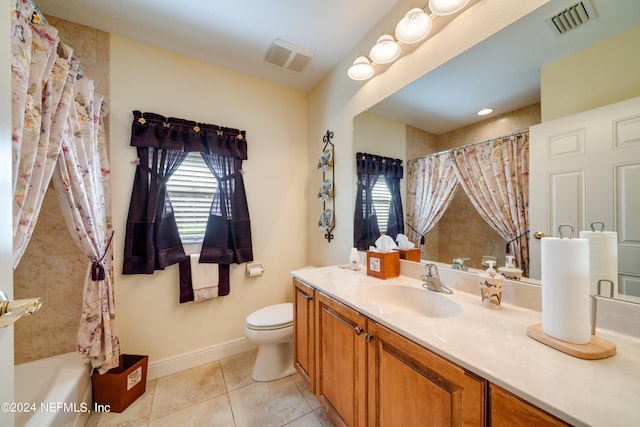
406	299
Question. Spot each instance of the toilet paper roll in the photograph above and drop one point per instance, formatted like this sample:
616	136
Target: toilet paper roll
603	259
255	270
565	289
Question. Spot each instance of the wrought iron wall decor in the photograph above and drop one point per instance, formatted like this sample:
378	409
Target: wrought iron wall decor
326	193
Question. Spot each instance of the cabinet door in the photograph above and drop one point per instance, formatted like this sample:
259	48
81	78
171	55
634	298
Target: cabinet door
341	365
508	410
304	332
412	386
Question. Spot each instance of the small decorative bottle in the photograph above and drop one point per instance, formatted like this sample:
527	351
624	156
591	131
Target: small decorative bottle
510	271
354	259
491	287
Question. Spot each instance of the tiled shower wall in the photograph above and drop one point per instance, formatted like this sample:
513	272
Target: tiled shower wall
53	267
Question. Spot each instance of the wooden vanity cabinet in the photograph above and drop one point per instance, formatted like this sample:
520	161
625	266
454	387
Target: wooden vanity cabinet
341	383
304	339
365	374
508	410
412	386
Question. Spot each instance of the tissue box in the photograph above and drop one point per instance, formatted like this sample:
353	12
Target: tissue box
383	265
120	386
412	254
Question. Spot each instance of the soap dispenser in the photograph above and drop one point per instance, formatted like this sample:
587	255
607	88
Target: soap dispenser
491	287
510	271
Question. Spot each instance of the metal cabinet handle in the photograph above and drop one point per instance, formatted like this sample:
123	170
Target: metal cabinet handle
357	330
308	298
368	337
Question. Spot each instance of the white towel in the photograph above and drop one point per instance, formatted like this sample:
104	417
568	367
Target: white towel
204	279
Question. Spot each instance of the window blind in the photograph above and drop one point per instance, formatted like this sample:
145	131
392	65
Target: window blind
191	189
381	199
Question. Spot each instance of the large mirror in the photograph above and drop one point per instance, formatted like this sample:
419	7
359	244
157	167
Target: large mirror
438	111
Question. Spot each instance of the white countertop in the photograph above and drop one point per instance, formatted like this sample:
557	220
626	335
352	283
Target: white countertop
494	345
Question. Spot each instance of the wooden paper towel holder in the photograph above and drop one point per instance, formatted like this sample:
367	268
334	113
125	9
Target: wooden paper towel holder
597	348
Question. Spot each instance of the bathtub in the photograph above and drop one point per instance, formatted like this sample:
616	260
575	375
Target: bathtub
55	391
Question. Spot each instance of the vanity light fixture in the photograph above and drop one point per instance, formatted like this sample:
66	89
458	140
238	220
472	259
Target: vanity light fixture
485	111
446	7
385	50
361	69
414	27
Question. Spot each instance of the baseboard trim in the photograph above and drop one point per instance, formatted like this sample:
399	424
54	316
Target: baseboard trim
180	362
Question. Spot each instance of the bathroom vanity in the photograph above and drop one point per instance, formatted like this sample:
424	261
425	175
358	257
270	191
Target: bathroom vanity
388	353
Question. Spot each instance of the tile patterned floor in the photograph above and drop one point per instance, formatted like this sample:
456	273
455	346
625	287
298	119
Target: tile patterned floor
220	393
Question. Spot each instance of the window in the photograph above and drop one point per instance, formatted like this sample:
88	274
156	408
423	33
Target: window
381	199
191	189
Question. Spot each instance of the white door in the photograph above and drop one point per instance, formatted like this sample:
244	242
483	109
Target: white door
6	245
586	168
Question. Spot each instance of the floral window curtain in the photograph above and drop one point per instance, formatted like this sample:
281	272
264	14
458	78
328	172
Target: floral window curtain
431	183
152	241
81	180
369	168
495	176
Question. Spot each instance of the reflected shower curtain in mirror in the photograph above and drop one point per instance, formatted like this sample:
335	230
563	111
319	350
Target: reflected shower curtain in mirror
495	176
432	183
370	168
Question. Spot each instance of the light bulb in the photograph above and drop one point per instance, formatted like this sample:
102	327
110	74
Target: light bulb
414	27
361	69
446	7
385	50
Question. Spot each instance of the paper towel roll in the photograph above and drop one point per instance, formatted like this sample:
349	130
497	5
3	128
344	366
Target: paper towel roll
565	289
603	259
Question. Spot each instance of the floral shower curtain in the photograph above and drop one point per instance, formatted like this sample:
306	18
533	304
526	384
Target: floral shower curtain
495	176
432	183
57	130
81	180
43	74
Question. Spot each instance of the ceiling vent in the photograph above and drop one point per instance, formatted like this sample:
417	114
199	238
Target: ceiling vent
572	17
288	56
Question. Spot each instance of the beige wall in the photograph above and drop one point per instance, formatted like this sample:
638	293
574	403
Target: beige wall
149	318
600	75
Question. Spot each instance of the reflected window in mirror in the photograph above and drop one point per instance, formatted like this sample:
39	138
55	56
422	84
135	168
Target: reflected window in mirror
378	208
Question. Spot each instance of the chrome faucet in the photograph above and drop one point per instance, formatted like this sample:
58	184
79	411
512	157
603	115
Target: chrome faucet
432	280
458	264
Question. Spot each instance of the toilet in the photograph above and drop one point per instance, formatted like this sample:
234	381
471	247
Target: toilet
271	328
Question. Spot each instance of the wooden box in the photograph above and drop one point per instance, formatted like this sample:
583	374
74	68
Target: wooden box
383	265
119	387
412	254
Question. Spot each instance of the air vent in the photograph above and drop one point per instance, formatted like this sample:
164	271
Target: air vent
572	17
288	56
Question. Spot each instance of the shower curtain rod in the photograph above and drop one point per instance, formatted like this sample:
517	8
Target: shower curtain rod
520	132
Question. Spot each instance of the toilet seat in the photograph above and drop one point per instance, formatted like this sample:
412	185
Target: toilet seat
278	316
